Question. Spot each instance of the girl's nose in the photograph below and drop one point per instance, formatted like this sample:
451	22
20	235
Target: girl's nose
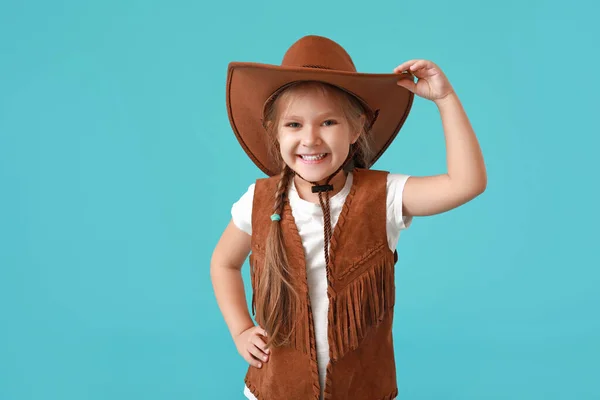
310	136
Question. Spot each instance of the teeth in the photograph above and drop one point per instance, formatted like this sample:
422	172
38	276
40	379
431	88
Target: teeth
313	158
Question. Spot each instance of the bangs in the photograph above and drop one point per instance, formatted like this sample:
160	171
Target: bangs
338	99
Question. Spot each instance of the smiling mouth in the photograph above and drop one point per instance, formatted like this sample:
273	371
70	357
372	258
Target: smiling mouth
312	157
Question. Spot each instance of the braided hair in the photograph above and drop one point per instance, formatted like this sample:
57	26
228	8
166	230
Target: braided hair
276	295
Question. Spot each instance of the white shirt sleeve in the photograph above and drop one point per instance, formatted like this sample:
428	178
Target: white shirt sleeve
241	211
396	222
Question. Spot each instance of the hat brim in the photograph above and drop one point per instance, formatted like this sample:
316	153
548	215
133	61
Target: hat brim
249	85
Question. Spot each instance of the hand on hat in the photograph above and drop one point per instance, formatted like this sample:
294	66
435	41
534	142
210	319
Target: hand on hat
432	83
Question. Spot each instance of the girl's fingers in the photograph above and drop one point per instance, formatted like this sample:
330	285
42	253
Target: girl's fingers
418	65
419	69
258	342
261	331
257	353
408	84
404	66
412	66
252	361
253	348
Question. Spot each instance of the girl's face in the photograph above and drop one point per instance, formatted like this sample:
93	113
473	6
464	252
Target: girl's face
314	136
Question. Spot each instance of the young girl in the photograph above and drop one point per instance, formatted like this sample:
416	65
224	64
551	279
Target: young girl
322	229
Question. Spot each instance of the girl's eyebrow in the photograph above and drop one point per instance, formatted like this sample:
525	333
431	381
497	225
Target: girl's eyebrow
319	116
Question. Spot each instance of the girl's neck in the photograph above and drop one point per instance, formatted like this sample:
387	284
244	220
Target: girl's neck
304	188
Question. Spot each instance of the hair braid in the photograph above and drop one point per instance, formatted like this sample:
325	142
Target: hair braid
282	185
277	297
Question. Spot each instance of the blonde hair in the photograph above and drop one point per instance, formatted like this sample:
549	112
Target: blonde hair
277	299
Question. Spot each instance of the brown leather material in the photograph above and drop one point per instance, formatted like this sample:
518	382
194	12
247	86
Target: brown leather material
312	58
361	301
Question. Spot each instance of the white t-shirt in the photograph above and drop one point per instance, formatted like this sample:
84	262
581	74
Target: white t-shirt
309	221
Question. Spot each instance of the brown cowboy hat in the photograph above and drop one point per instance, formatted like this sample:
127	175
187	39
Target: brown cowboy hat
311	58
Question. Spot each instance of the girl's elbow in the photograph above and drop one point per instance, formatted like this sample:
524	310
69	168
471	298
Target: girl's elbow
479	188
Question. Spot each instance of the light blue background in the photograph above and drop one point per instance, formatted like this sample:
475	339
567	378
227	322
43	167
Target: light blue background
118	169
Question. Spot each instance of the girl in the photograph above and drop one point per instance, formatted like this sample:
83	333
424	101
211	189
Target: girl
321	231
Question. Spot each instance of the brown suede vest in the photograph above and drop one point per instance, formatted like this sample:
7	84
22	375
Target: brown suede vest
361	301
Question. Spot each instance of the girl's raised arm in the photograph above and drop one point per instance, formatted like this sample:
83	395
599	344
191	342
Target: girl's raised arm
466	177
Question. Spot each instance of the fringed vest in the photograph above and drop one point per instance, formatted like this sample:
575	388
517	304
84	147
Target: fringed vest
361	301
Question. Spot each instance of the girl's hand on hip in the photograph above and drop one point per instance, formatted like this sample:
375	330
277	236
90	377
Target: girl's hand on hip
250	346
432	83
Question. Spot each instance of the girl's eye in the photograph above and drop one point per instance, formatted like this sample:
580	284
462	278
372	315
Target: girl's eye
293	125
329	122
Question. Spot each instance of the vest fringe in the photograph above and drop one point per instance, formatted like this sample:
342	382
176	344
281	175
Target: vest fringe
300	337
327	394
253	282
359	307
314	369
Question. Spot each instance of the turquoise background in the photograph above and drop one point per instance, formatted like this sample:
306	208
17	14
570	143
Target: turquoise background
118	169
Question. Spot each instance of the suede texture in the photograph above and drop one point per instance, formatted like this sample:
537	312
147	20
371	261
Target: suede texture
361	294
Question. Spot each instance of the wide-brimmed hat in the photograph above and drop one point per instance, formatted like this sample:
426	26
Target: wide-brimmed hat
312	58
